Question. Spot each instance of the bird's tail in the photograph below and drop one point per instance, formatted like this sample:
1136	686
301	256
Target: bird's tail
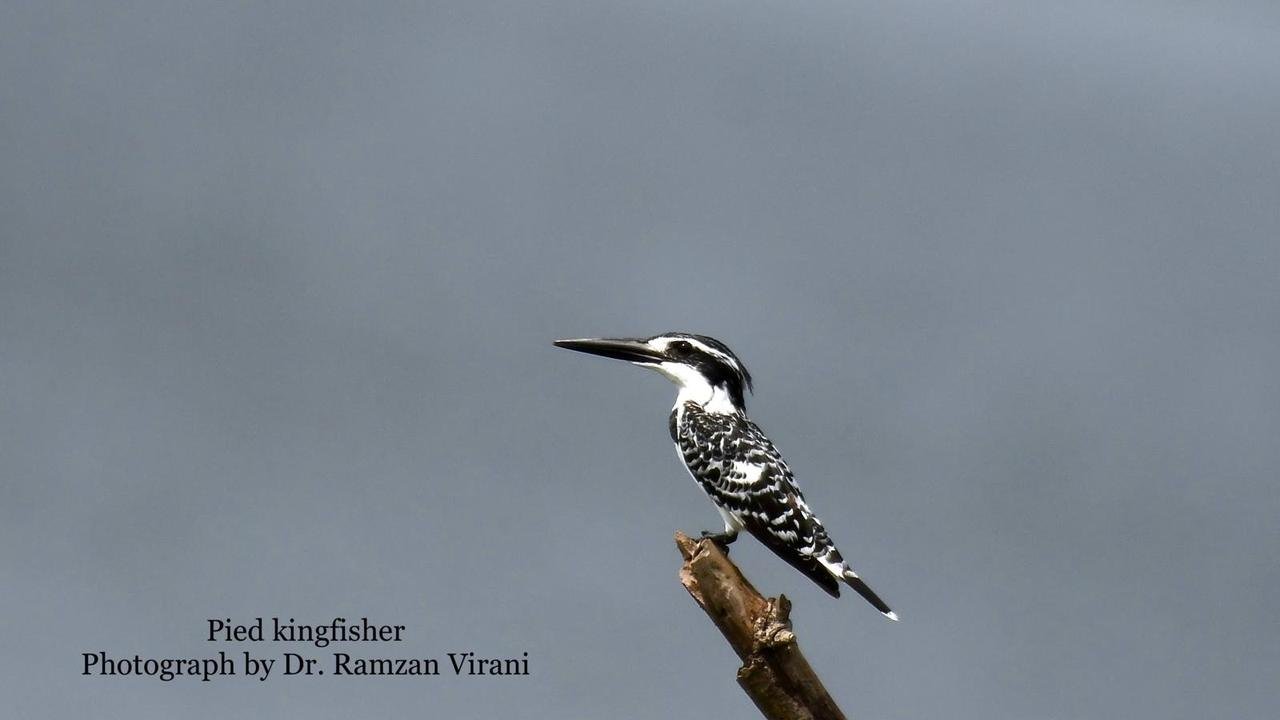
866	592
840	569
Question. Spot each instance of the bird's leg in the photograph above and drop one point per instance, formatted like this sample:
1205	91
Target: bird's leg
723	539
731	526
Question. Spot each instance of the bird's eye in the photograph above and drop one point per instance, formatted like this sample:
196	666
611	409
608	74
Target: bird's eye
680	347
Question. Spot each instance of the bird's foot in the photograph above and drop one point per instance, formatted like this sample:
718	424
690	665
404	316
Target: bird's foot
722	539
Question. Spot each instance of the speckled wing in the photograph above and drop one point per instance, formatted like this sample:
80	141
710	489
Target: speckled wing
743	473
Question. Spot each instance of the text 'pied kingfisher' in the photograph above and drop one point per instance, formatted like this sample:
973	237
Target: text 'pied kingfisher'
729	456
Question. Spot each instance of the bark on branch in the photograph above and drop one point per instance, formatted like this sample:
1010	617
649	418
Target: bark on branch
774	673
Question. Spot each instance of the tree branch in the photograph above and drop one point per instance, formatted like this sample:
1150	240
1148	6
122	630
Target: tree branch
774	673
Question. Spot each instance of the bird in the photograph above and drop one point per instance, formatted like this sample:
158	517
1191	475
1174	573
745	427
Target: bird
731	458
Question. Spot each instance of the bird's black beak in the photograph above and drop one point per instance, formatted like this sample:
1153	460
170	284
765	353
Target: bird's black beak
618	349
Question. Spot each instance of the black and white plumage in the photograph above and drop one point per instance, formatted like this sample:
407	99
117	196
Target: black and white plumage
731	458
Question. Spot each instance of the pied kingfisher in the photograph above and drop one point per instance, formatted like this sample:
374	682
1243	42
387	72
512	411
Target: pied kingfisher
730	458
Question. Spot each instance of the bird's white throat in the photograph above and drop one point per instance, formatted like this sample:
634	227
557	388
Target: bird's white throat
695	388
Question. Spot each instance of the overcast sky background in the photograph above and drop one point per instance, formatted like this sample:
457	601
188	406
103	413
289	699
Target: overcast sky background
278	283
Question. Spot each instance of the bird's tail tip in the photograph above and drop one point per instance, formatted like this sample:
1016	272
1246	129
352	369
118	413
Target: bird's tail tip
869	595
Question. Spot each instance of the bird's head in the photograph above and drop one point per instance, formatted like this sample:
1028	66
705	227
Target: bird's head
705	369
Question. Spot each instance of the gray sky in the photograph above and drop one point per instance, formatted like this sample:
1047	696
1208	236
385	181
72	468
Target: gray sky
278	284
